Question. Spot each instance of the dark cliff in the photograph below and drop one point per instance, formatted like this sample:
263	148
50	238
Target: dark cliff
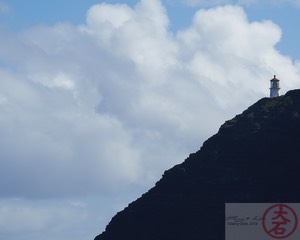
253	158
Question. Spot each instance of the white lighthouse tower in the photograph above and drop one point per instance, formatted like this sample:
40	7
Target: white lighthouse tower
274	89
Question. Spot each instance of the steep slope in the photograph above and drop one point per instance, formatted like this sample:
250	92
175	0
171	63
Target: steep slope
255	157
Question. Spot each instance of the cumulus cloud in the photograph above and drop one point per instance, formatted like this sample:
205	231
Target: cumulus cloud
118	100
23	219
108	105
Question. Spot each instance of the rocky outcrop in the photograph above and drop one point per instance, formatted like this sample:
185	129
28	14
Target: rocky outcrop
255	157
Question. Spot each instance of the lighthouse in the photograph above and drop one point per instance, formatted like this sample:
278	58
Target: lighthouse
274	89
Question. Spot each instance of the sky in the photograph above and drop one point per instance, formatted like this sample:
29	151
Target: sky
98	99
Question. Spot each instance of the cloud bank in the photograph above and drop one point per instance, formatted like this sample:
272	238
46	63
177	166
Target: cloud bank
107	106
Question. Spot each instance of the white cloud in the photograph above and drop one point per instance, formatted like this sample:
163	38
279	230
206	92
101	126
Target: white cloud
43	219
113	15
107	106
226	53
115	107
61	80
3	100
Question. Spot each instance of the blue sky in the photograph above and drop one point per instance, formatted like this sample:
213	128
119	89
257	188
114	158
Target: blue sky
28	13
98	99
286	16
23	14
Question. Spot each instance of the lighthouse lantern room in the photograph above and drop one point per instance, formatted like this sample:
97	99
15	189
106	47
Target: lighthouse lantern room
274	88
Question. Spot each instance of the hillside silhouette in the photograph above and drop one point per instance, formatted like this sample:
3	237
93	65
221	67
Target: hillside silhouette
255	157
